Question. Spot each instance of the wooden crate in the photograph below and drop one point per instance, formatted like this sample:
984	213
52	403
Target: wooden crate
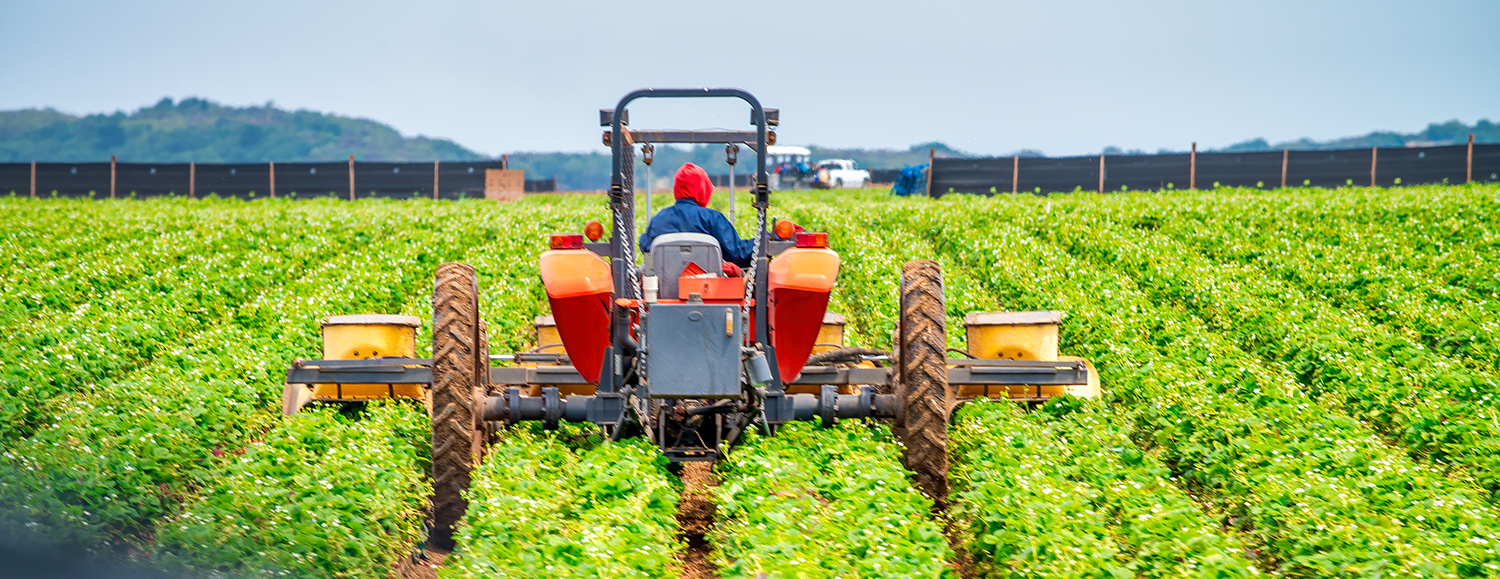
504	184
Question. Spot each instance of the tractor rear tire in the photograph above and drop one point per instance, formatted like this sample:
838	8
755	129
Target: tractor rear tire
456	364
922	343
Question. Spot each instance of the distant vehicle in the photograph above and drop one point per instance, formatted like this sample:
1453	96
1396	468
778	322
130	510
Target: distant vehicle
839	174
791	167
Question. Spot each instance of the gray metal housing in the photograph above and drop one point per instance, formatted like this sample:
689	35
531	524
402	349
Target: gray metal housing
692	350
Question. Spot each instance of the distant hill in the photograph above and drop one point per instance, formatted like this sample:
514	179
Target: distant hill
207	132
1449	133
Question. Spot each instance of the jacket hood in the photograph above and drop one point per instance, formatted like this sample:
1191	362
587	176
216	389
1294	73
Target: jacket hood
692	182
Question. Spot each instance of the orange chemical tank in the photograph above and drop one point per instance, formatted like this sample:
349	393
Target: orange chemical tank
800	281
578	286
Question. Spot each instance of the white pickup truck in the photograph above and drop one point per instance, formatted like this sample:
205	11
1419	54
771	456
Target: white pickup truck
841	173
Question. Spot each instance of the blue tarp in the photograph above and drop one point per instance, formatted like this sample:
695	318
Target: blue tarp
913	180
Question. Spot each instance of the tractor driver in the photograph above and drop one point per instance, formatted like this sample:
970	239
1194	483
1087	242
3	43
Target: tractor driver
691	214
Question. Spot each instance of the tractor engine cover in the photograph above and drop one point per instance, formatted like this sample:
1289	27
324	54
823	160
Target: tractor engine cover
693	350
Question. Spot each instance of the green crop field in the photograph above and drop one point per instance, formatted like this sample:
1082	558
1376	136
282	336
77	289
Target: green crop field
1297	382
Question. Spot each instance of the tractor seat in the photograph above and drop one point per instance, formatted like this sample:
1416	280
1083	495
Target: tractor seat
671	253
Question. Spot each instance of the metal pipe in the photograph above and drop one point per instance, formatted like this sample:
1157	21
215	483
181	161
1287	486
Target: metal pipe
866	404
511	407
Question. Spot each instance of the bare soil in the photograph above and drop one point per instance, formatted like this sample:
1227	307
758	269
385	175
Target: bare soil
695	517
420	565
961	562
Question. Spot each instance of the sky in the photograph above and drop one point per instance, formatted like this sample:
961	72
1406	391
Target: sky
1063	77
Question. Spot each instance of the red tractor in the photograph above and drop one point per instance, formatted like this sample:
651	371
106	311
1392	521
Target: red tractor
669	349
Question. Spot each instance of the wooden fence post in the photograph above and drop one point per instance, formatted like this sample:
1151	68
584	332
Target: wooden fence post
1374	154
273	179
1284	154
1015	174
33	179
111	176
351	177
1469	164
931	154
505	162
1101	173
434	180
1193	168
192	180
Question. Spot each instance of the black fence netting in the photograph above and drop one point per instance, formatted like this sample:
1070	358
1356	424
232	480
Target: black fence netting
1487	163
983	175
238	180
72	180
741	180
1237	170
392	180
1328	168
1417	166
151	180
884	175
15	179
1146	172
466	179
1051	174
300	180
463	179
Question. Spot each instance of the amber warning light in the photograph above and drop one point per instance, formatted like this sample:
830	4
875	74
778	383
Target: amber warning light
567	241
594	230
785	229
819	240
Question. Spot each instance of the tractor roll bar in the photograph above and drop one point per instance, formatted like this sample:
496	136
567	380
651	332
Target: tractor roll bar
757	116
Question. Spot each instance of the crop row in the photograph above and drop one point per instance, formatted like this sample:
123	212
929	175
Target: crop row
116	460
1308	488
117	332
538	508
812	502
1136	485
1449	320
39	233
868	290
358	532
1422	281
109	264
323	495
1447	234
1441	410
330	492
1065	493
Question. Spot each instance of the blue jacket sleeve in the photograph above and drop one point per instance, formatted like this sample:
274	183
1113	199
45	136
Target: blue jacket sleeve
647	237
737	251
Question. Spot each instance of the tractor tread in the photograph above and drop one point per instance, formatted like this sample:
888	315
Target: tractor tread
923	377
455	357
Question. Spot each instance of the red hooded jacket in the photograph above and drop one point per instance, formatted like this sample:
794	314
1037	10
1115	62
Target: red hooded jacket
692	182
690	214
